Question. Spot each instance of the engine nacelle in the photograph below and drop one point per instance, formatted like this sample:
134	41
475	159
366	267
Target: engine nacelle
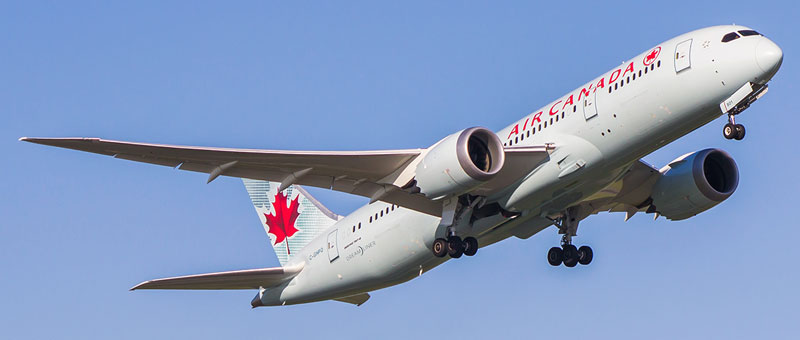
694	183
460	162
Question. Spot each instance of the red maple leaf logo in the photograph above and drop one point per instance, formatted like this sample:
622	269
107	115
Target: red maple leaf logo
281	221
651	57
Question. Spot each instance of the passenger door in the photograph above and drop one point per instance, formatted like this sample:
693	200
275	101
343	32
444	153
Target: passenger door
683	56
590	106
333	248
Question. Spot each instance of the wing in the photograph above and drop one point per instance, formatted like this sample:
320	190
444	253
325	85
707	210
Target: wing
237	279
379	175
364	173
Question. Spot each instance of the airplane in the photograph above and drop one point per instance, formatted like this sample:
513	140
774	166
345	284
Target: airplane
574	157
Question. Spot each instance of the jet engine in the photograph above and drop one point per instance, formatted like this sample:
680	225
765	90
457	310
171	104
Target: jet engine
694	183
460	162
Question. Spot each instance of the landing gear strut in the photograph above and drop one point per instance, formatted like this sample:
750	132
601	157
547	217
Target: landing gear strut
568	254
456	209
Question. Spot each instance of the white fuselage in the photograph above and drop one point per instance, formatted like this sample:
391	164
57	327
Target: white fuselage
598	134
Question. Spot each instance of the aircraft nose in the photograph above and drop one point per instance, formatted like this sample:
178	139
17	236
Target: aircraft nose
768	56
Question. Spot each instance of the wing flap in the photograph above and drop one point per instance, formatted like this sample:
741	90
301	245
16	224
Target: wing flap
237	279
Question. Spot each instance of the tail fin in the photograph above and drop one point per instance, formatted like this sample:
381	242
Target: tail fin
291	218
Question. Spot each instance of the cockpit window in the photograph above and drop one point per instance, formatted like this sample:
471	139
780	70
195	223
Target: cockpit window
748	32
730	36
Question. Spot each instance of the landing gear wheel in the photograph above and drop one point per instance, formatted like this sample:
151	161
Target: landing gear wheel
555	256
455	247
470	246
729	131
570	255
585	255
439	247
739	131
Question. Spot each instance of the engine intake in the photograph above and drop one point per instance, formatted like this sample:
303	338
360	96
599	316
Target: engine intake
694	183
460	162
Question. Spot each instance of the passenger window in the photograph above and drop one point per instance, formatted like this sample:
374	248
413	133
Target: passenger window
749	33
730	37
516	140
634	75
529	133
562	114
628	80
615	87
645	70
640	73
540	127
551	121
545	124
381	213
609	89
387	210
652	67
354	228
658	64
370	219
359	225
574	107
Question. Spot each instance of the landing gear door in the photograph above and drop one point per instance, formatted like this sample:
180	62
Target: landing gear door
590	106
333	248
682	56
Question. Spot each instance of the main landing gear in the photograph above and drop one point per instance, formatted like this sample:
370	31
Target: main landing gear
455	246
568	254
733	130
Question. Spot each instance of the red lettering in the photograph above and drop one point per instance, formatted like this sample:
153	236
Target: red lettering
585	91
514	131
536	117
628	69
568	102
526	124
553	107
600	84
611	78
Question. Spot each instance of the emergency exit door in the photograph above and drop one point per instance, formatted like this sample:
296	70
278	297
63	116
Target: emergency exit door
683	56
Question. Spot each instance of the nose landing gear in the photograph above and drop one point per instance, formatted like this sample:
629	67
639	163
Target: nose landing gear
733	130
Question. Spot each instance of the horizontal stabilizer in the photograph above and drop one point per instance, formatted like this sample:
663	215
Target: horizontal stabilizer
236	279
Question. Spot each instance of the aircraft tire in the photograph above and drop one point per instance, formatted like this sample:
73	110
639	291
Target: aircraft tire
470	246
729	131
555	256
739	131
455	247
570	255
439	247
585	255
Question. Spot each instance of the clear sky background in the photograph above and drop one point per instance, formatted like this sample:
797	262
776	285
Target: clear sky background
79	229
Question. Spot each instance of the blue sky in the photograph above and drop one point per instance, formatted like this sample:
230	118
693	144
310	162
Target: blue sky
79	229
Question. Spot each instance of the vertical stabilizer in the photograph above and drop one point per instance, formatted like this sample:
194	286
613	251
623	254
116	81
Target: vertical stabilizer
291	218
